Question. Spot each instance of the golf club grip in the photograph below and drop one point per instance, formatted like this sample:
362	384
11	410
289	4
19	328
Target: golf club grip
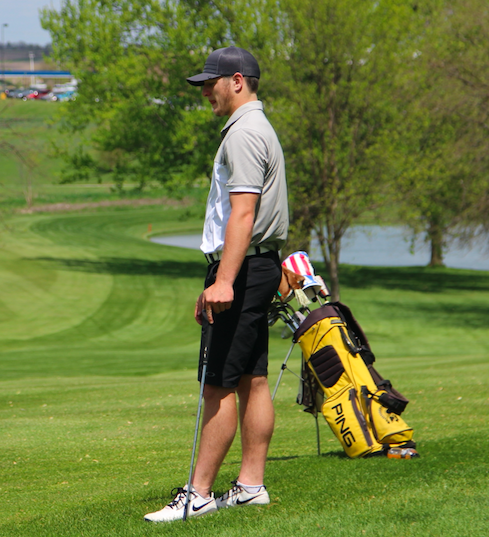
207	339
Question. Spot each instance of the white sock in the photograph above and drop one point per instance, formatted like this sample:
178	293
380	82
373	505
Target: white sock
250	489
198	493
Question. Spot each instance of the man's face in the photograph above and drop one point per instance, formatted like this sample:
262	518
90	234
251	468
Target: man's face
218	92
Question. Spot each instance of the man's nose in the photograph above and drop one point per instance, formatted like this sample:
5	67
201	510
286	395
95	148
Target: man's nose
205	91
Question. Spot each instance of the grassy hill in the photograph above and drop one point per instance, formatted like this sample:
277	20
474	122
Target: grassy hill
98	391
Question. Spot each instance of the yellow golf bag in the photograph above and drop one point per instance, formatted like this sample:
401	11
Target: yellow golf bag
361	408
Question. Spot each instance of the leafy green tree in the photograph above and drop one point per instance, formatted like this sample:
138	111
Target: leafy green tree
134	105
439	188
444	188
336	68
131	58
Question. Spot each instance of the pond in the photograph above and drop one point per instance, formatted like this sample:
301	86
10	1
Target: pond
381	246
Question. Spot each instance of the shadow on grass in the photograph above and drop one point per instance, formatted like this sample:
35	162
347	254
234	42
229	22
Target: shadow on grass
420	279
134	267
470	315
335	454
290	457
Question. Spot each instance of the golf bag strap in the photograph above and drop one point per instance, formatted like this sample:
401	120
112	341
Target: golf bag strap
352	323
392	399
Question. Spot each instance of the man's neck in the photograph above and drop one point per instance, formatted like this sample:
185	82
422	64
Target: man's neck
241	100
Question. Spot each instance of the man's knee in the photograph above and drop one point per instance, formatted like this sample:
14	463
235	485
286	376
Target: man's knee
216	393
252	383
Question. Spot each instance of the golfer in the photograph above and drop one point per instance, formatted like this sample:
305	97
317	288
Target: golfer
245	226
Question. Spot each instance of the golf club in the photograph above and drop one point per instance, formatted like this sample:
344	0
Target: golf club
207	343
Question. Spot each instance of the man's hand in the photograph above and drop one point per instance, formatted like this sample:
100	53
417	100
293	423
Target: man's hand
215	299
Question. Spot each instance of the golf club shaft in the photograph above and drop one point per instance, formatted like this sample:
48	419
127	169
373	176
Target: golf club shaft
197	421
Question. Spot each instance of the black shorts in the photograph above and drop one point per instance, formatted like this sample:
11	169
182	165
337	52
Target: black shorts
239	343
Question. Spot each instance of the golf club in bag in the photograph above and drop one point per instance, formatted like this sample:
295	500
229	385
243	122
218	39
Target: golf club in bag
207	344
298	281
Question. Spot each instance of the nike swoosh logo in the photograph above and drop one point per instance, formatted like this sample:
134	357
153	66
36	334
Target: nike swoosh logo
200	506
238	502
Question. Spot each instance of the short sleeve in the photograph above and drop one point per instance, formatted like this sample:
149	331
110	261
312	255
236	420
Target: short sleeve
246	156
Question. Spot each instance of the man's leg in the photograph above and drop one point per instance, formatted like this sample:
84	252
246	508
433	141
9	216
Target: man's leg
256	416
219	426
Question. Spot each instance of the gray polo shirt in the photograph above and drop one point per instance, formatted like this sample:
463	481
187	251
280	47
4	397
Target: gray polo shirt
249	159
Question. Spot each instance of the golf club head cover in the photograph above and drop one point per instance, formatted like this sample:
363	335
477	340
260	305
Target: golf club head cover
288	284
313	285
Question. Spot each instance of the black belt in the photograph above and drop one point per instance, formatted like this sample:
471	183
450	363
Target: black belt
252	250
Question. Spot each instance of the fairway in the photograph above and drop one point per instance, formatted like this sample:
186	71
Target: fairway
98	391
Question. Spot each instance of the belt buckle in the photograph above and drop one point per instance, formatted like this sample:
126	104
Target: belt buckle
212	258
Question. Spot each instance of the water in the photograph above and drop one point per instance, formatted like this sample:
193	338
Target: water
376	246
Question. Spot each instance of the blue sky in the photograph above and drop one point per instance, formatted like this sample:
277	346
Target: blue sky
22	17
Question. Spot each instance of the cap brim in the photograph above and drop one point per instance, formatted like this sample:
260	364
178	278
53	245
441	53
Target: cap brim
198	80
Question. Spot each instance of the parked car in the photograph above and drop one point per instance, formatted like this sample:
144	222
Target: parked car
34	94
66	96
50	96
14	93
41	93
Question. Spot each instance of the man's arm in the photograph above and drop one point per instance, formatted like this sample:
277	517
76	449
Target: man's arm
219	296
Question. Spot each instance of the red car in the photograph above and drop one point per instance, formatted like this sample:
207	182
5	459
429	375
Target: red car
34	94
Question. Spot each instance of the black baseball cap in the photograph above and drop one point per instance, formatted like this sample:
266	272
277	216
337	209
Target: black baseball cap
226	62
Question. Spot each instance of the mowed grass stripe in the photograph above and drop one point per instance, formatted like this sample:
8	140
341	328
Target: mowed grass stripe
102	295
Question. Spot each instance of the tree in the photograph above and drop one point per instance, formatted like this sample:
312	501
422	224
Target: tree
443	186
463	60
337	66
131	58
438	188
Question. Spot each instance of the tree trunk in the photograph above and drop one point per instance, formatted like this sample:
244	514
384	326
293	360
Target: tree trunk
330	250
435	235
334	279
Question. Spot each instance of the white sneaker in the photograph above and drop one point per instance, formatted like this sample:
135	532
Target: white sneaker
197	506
239	496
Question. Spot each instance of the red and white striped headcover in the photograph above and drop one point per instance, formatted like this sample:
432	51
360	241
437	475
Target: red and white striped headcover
299	263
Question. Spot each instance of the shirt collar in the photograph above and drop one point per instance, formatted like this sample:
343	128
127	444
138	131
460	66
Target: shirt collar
240	112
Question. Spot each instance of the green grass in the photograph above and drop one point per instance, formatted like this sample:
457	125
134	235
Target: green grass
98	392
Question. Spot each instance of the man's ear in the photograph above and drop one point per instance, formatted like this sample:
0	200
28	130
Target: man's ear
239	82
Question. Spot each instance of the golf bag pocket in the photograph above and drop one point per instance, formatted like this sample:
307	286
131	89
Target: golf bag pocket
387	426
343	414
327	366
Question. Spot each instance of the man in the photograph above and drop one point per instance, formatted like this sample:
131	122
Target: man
245	226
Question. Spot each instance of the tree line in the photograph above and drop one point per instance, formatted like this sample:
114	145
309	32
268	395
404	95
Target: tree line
377	103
